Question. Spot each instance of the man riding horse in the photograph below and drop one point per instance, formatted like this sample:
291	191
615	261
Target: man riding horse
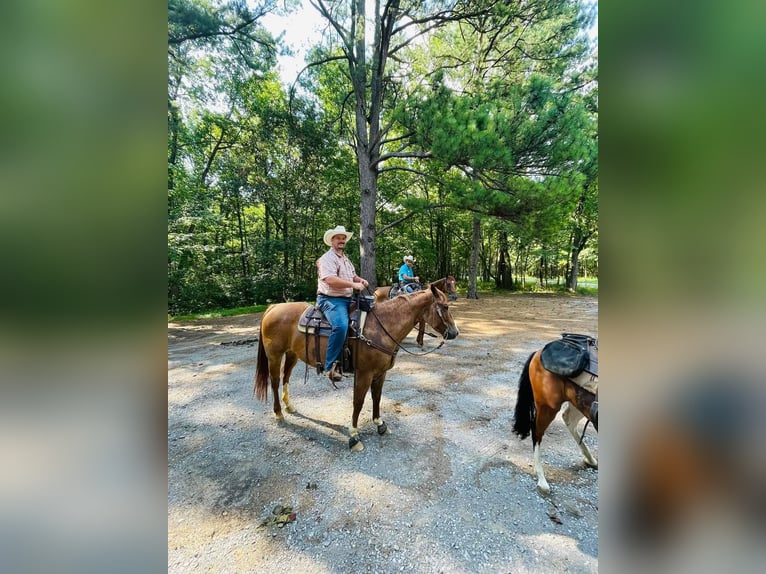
408	281
337	279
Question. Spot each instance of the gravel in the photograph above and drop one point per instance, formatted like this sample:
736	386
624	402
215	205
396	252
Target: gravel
449	490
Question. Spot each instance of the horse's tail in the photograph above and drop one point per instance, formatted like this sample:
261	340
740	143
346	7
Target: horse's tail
261	388
525	414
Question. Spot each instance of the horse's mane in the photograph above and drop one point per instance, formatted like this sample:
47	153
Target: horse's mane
395	301
410	298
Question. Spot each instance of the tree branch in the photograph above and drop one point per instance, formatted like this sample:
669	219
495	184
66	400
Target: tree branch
415	154
408	216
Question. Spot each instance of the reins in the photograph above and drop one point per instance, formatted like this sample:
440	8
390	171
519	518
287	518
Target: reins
371	343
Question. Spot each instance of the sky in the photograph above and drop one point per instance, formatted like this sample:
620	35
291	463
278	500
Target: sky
304	27
301	29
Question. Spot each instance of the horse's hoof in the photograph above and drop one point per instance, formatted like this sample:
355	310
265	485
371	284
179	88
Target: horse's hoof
382	428
543	489
291	409
591	464
280	417
355	444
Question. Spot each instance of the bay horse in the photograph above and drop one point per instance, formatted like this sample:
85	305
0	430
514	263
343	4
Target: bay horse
374	353
447	284
540	397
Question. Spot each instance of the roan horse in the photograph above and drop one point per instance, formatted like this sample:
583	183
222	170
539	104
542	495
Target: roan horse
374	354
540	396
447	284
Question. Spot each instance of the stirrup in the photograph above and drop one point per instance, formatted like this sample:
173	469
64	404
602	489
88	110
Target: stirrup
333	375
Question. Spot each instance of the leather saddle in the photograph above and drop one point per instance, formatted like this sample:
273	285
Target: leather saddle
571	356
401	289
315	325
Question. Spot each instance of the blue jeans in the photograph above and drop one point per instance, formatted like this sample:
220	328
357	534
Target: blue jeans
335	310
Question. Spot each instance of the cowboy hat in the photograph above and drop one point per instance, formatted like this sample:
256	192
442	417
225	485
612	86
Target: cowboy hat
408	258
339	230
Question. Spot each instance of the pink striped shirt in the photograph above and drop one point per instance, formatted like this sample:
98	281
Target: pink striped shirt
338	265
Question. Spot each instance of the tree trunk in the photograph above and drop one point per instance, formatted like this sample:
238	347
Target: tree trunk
579	240
367	143
504	276
368	178
473	272
174	123
574	269
242	239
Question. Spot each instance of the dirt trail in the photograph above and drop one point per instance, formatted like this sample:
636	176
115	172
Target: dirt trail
449	490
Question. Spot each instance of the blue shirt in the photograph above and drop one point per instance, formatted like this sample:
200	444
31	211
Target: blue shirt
406	270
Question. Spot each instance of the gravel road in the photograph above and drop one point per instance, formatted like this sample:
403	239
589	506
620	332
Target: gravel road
449	490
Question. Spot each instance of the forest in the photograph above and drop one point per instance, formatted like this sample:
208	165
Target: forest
464	133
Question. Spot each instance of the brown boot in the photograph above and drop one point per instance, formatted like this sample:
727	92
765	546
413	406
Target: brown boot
334	375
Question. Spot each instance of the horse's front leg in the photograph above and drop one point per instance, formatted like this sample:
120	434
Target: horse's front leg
572	416
361	386
377	392
421	331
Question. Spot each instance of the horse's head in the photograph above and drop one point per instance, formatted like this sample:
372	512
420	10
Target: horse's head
450	284
439	317
381	294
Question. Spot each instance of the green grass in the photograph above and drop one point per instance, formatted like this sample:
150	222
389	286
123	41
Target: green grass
217	313
531	286
587	290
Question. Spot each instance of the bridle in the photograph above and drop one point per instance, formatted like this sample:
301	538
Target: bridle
371	343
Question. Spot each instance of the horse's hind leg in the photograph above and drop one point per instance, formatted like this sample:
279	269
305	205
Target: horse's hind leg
290	361
275	366
544	417
572	416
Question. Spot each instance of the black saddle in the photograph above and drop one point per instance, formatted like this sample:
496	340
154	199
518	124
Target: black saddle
570	355
398	288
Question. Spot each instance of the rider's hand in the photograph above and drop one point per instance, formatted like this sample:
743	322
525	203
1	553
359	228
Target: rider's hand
358	285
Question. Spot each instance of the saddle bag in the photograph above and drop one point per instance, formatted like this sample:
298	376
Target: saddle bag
566	357
366	303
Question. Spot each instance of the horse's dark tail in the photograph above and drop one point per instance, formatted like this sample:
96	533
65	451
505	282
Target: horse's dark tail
525	414
261	388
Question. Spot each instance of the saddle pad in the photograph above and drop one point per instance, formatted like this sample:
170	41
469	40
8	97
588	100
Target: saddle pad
587	381
565	357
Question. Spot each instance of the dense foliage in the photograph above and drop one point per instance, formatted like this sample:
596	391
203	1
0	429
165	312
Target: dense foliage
464	133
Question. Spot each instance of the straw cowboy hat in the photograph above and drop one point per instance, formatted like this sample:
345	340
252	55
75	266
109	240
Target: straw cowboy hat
408	258
339	230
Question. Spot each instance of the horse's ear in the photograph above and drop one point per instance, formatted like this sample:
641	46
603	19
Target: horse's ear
438	295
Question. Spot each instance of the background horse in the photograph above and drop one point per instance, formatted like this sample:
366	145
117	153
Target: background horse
385	327
541	394
447	284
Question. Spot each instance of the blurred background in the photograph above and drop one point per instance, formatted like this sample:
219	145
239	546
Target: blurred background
83	209
681	308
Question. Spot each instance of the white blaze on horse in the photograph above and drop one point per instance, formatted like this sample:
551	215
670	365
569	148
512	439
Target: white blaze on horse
542	393
386	326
